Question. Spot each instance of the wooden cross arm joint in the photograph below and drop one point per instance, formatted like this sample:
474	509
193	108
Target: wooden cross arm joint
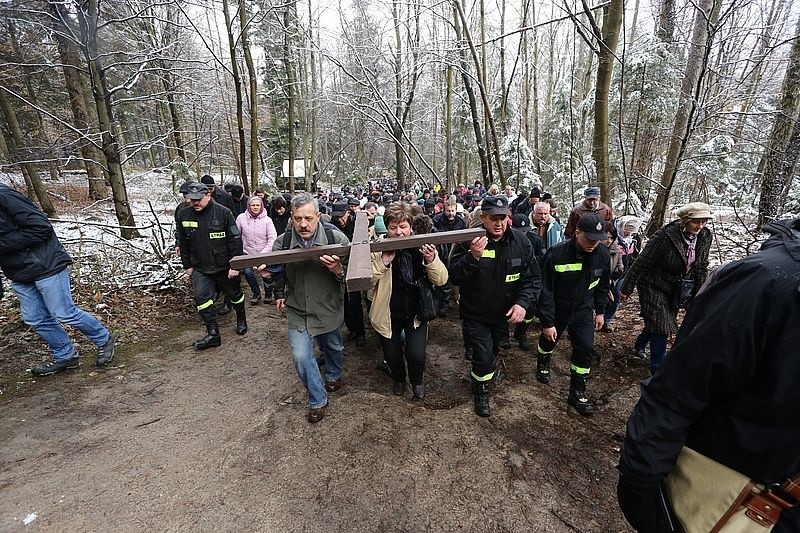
359	267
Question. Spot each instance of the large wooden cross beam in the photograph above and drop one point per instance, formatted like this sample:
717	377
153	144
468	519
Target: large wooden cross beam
359	266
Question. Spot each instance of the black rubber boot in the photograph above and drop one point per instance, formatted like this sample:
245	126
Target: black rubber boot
225	309
577	394
241	320
212	338
543	368
480	389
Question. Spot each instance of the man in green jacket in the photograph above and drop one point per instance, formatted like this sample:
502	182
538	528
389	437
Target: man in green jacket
312	295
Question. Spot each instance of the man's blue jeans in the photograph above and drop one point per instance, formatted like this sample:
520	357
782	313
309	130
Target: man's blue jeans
332	347
48	301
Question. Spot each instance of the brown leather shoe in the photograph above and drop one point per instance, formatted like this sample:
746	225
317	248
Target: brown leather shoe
333	386
315	415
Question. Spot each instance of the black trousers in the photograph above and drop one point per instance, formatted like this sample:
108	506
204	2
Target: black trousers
580	326
206	286
412	354
485	341
353	315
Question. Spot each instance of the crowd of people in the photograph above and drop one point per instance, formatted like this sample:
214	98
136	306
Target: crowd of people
721	402
527	267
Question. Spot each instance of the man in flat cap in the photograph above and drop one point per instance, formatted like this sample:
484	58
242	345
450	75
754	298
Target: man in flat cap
591	204
208	239
499	281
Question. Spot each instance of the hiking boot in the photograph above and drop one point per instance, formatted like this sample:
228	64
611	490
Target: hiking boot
524	343
607	327
399	388
543	369
255	300
267	299
577	394
105	353
52	367
468	353
211	340
419	391
639	358
480	389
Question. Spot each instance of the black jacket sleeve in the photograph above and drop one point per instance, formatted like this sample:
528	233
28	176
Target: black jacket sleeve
462	265
547	302
30	225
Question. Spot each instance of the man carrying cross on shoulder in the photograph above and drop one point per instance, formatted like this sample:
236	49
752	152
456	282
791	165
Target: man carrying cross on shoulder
500	281
312	295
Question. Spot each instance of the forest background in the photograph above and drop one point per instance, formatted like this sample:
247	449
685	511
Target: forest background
659	102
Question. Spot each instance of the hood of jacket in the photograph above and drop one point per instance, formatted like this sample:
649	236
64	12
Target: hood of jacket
786	233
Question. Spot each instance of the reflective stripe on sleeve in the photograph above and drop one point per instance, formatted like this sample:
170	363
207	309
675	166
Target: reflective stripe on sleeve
569	267
593	284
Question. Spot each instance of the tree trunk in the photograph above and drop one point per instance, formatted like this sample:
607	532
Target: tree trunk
448	131
237	83
396	127
706	13
778	162
87	18
38	129
19	154
473	104
287	62
253	78
612	21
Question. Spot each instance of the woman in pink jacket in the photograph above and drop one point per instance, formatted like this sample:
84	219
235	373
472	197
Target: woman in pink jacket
258	235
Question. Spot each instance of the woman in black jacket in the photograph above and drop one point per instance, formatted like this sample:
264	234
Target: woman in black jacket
677	251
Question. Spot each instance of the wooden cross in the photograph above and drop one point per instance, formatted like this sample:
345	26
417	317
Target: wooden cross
359	266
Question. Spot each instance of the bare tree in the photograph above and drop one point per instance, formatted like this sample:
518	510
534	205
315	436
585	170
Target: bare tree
777	163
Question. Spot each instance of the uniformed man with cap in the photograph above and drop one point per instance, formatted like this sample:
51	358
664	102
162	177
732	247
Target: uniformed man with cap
208	238
575	281
499	281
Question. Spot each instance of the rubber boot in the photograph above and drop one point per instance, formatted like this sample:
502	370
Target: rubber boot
520	335
241	320
480	389
543	368
577	394
212	338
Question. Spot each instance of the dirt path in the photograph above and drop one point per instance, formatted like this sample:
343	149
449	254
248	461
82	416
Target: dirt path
171	439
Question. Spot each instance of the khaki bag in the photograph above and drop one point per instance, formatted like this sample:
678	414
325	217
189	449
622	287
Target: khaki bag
710	497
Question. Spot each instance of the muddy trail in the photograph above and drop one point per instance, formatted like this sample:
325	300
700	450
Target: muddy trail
168	438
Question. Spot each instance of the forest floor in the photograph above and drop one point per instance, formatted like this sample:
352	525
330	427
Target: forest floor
168	438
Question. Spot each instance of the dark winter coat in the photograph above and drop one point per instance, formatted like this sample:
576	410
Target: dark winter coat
573	282
223	198
728	388
29	248
208	239
603	211
656	272
505	275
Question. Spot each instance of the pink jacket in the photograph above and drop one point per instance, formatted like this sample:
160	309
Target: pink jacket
258	233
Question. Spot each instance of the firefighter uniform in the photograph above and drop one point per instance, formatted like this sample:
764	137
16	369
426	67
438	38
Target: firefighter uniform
574	287
208	240
505	275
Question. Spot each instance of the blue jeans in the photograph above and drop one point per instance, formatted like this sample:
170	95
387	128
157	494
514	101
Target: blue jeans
332	347
252	281
658	348
48	301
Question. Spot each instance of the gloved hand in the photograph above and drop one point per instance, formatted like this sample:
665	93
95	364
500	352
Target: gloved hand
639	504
